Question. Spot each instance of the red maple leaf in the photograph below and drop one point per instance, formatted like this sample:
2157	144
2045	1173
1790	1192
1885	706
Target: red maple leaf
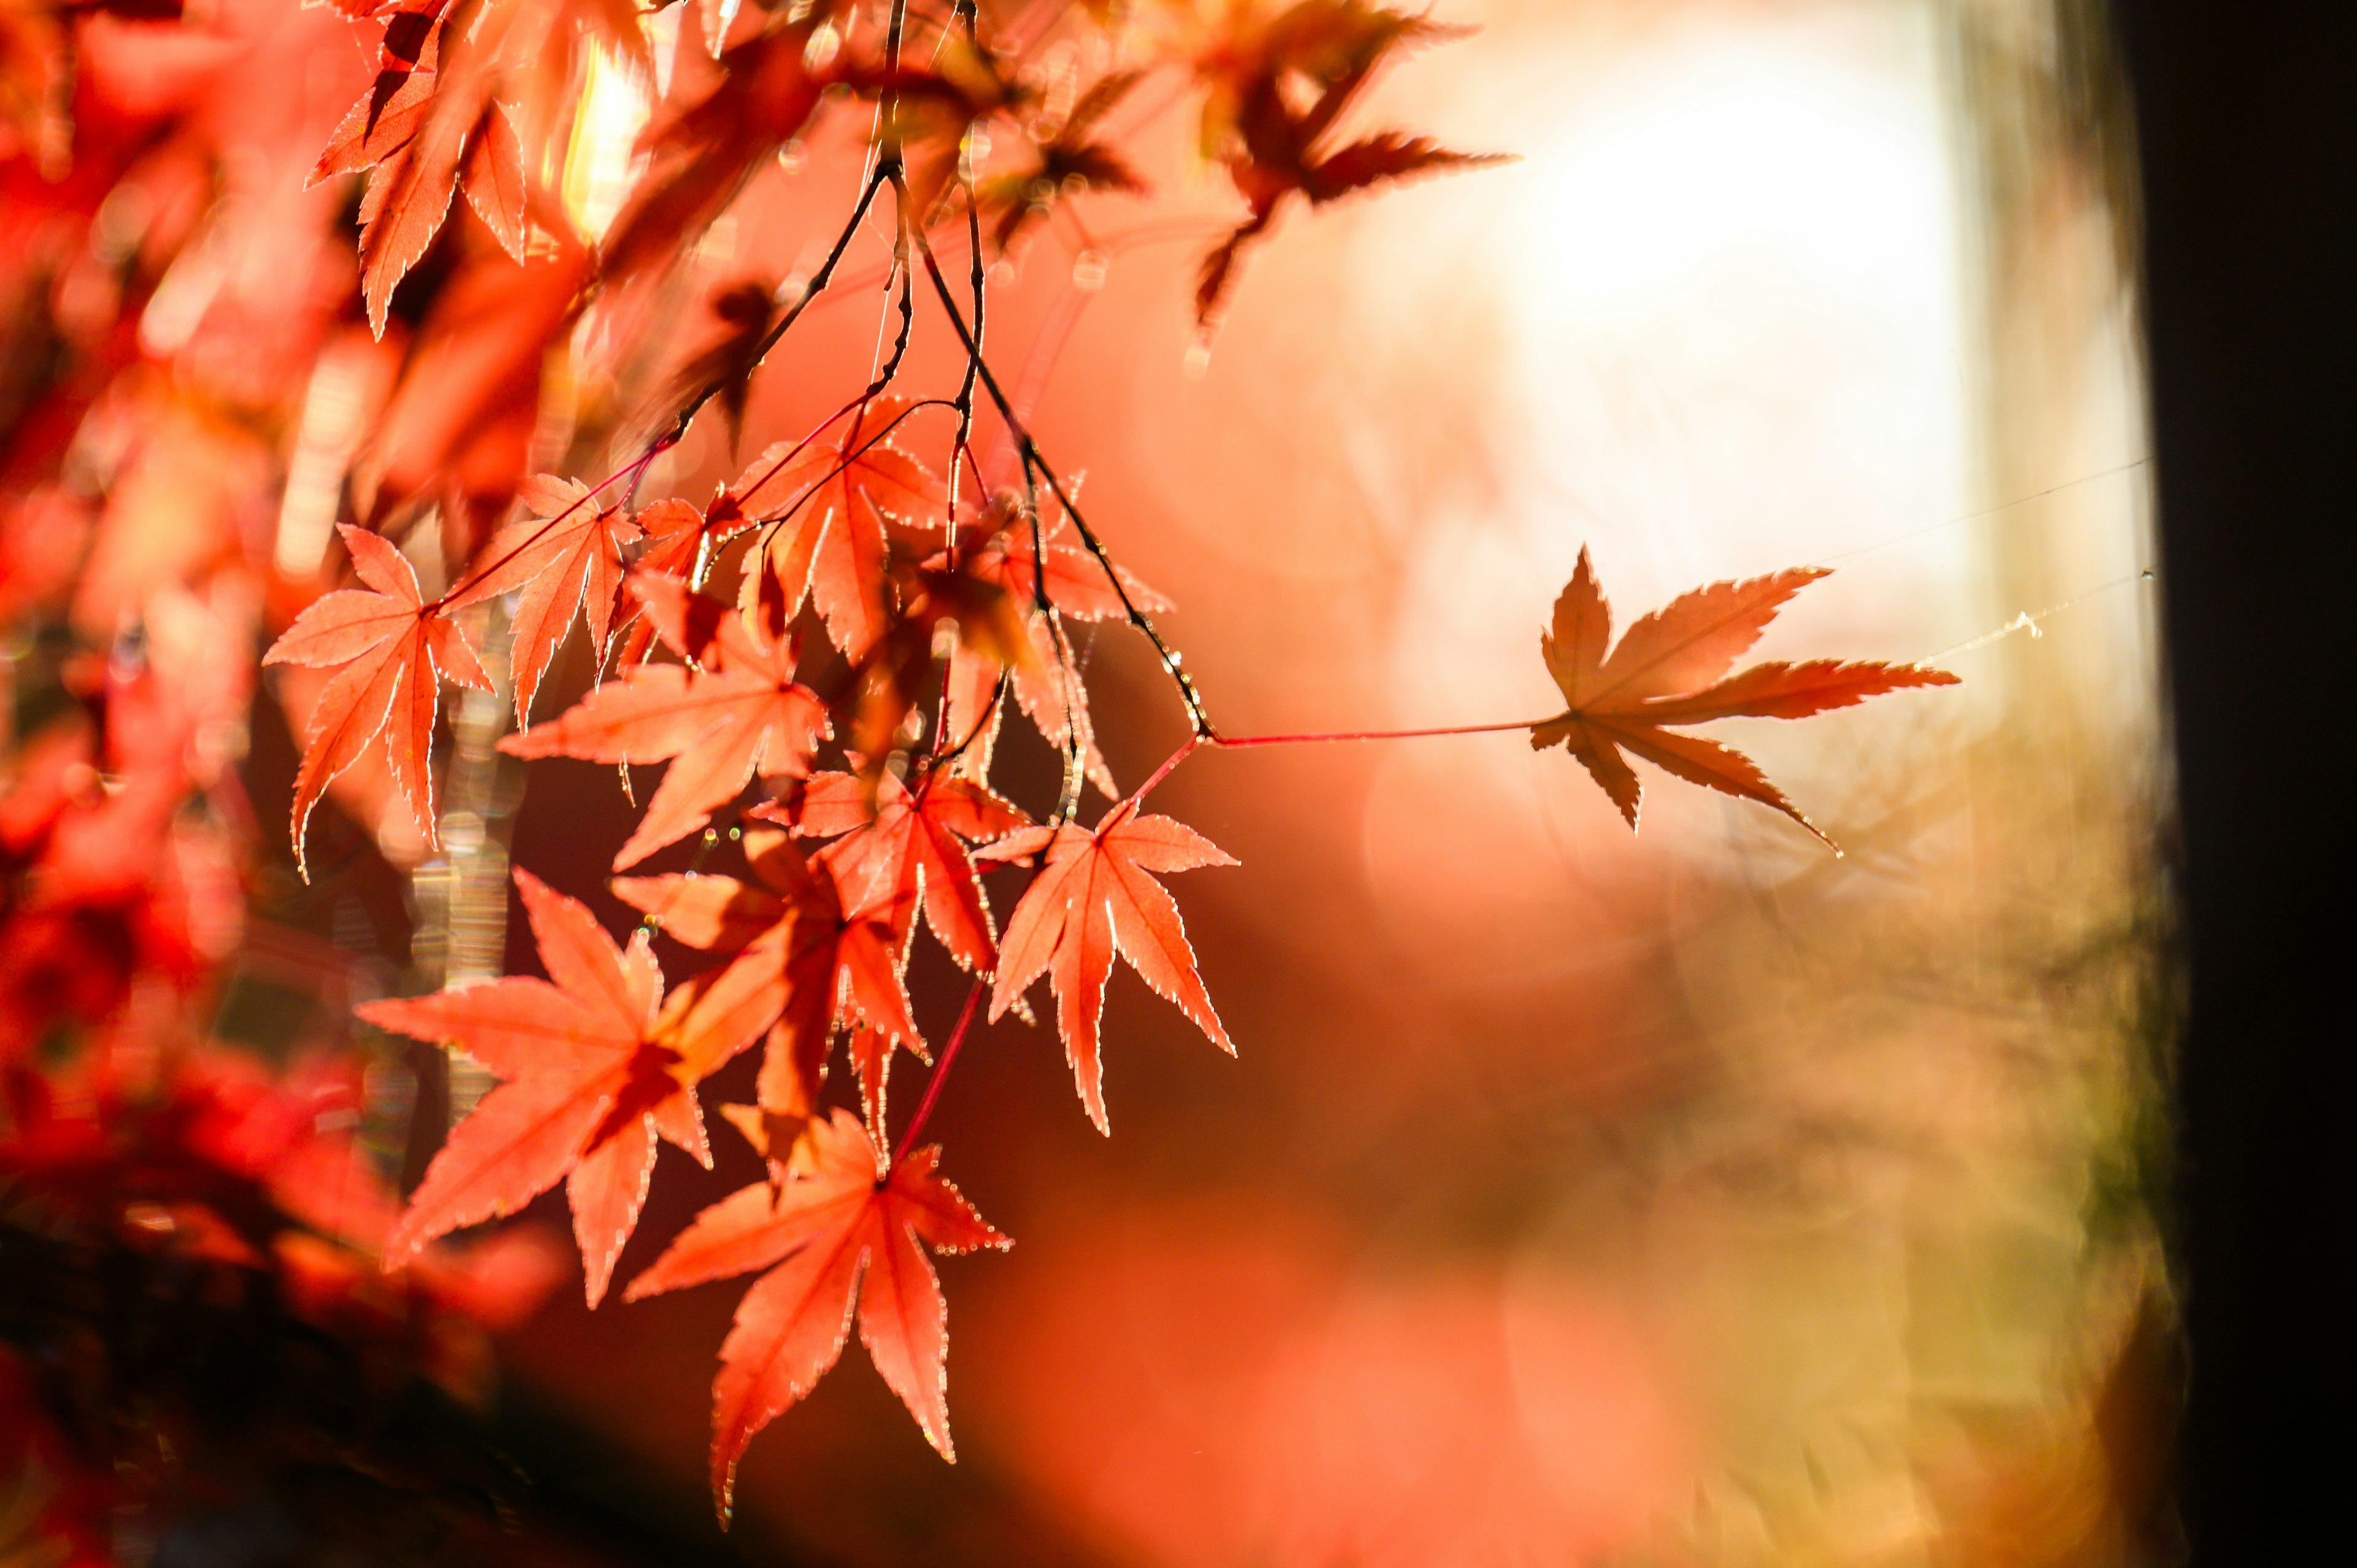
1047	686
735	710
931	107
997	552
833	1239
982	591
996	547
386	117
426	128
408	195
722	364
905	849
678	535
569	559
1670	668
394	650
830	507
1094	898
591	1079
1278	84
1063	159
805	960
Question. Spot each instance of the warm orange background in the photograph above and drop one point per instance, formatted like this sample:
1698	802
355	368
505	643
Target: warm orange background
1574	1197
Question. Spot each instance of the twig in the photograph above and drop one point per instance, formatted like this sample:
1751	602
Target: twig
1035	463
942	1068
1313	737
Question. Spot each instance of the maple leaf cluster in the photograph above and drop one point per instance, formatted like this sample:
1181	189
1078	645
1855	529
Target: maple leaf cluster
810	945
281	458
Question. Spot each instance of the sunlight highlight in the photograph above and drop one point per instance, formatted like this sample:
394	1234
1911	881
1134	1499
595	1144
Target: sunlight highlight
600	162
1733	288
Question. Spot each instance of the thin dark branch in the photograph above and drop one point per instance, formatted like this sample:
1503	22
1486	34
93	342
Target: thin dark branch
1035	462
810	292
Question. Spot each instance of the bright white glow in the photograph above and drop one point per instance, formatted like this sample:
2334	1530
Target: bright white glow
1705	168
1735	276
599	164
324	439
1730	269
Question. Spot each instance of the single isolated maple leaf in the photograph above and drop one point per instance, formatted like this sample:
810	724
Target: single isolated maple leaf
590	1082
833	1240
735	710
394	650
1094	898
1670	668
